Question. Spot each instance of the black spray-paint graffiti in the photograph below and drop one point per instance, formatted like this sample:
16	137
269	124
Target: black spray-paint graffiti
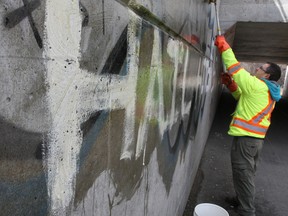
103	16
117	56
85	15
15	17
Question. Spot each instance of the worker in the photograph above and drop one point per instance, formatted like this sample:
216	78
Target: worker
256	96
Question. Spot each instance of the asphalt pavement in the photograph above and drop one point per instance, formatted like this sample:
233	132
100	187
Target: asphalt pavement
214	177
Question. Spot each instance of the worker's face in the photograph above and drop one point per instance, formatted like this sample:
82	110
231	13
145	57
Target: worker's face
261	72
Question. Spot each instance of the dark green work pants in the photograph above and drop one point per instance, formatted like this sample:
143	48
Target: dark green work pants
244	158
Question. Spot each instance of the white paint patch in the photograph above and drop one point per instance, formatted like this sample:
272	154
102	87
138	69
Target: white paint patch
86	37
161	115
284	89
156	65
63	25
185	107
71	105
134	30
175	57
282	6
183	111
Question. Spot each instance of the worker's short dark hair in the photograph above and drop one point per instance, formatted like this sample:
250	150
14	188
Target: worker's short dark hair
274	70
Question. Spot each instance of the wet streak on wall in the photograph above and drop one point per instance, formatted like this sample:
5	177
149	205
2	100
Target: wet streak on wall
103	112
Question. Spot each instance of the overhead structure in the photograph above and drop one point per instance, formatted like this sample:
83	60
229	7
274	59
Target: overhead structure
261	41
257	29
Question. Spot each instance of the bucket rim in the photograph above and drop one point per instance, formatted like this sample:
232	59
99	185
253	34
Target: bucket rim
211	204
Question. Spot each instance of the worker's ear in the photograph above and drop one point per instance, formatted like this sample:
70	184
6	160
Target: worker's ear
267	76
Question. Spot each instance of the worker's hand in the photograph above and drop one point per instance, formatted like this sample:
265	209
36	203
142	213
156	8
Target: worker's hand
228	81
221	43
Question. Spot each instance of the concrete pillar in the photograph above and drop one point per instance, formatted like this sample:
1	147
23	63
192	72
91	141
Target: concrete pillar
285	86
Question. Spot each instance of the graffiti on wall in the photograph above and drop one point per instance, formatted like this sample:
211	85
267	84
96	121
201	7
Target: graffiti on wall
172	83
117	90
15	17
22	178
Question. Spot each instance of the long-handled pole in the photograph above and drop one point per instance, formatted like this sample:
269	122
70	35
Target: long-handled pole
217	19
217	16
218	24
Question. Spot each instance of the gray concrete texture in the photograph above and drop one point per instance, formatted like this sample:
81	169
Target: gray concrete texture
105	105
214	178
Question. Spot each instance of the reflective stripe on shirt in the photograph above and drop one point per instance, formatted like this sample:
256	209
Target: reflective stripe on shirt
258	118
253	125
234	68
258	129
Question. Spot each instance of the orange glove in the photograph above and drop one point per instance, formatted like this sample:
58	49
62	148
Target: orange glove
221	43
227	80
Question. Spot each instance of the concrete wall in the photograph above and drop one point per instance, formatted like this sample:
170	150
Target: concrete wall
105	107
232	11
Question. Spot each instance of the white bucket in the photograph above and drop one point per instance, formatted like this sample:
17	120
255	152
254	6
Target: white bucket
208	209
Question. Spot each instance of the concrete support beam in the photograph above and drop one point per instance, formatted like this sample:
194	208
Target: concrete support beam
285	86
232	11
261	42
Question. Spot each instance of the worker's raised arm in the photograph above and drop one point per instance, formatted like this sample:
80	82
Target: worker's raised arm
243	78
227	54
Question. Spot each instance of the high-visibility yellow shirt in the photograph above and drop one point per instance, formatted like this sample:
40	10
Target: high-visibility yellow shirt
254	107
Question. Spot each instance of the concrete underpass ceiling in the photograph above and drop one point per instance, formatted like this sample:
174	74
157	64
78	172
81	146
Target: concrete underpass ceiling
258	29
262	42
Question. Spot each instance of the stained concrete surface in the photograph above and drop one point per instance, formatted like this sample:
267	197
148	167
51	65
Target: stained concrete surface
214	178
